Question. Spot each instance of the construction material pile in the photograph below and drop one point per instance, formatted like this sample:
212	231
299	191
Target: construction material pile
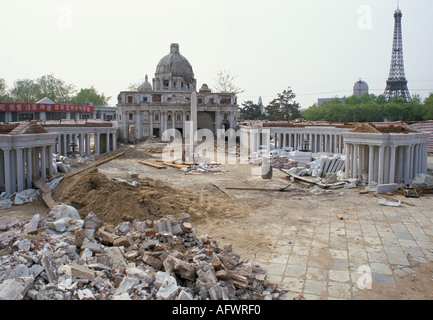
63	257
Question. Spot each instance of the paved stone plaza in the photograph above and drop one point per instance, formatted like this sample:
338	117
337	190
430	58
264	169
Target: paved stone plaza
324	257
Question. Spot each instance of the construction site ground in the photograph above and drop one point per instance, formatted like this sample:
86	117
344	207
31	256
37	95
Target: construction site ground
318	243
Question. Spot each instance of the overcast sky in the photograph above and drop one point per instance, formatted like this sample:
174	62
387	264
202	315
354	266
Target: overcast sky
317	47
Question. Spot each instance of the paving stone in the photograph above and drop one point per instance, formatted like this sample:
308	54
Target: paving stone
380	268
339	275
295	271
293	284
382	279
315	287
314	273
339	290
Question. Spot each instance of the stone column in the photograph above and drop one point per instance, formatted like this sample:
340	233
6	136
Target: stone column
355	161
138	134
151	122
370	164
392	165
88	144
7	170
381	164
407	159
415	159
81	135
20	171
400	168
114	141
347	165
98	144
65	146
50	161
44	162
107	142
124	126
29	168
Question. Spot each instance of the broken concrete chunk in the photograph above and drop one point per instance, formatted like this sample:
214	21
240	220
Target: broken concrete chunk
85	294
80	272
15	289
151	261
118	261
92	222
33	224
121	242
168	288
94	247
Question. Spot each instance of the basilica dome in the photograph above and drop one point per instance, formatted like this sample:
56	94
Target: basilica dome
175	63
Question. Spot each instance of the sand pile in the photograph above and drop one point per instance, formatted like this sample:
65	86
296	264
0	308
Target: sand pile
116	202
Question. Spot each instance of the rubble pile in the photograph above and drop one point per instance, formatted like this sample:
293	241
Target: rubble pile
283	162
165	259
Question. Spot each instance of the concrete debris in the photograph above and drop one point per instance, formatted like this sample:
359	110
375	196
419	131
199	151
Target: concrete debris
163	259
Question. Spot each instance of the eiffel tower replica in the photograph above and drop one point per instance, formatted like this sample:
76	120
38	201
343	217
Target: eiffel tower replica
396	85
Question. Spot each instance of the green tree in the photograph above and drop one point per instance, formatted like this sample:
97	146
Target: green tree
25	90
90	95
283	108
4	93
55	89
250	111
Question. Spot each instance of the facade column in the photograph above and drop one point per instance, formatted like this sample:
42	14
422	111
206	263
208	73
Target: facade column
98	144
44	162
400	169
407	165
415	159
370	164
151	122
107	142
124	126
381	164
114	141
355	161
392	164
30	167
87	144
81	136
64	148
20	169
7	170
347	165
138	131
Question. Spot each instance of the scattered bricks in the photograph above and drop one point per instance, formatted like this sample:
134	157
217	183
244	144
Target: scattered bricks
177	230
150	232
153	262
183	295
180	267
94	247
15	289
106	237
223	275
80	272
149	244
92	222
163	226
121	242
187	227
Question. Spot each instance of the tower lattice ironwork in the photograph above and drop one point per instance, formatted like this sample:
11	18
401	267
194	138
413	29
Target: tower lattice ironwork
396	85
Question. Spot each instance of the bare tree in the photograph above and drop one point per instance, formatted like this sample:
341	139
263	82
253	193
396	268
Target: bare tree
225	83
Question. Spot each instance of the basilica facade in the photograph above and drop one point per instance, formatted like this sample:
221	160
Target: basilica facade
166	102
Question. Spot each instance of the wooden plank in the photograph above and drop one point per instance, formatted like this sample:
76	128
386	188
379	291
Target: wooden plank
97	164
157	166
46	192
178	166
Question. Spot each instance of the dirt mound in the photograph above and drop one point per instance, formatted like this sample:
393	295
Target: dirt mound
115	202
